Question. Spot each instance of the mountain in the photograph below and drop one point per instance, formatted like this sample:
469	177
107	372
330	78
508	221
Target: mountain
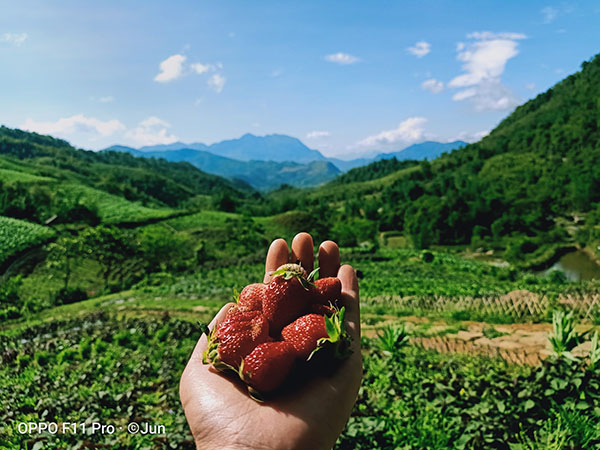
266	162
347	164
273	147
173	146
425	150
418	152
262	175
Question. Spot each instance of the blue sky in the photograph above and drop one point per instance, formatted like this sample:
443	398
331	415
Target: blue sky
346	77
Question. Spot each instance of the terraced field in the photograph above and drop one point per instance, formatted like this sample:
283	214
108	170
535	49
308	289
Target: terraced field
18	235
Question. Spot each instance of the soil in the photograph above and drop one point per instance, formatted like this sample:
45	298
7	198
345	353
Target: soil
521	343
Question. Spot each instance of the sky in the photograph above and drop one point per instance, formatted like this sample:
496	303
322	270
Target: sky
348	78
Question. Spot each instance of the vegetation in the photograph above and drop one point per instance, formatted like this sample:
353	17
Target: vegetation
517	190
18	235
416	399
374	170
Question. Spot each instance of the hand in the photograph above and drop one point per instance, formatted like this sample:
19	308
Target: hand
222	415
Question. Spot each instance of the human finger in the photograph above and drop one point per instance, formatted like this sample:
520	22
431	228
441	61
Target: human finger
329	259
302	251
277	255
350	298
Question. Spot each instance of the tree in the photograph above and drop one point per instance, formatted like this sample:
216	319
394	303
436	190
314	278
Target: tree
117	251
62	254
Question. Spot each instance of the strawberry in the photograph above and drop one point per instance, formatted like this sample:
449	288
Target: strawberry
312	332
236	337
322	310
303	334
251	297
287	297
327	290
267	366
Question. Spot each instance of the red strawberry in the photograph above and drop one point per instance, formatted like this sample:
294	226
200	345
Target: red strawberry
303	334
237	336
251	297
287	297
322	310
327	290
312	332
268	365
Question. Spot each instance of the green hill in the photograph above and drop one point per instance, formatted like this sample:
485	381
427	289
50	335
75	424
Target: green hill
42	177
513	191
538	165
263	175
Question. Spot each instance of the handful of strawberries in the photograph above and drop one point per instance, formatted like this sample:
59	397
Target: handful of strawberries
274	327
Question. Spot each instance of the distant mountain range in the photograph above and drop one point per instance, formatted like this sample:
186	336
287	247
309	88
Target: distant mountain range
273	147
424	150
266	162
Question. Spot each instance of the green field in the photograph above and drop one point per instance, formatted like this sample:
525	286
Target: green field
118	358
18	235
114	209
12	176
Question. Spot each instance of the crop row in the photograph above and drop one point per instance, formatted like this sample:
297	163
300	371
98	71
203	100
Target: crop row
17	235
110	370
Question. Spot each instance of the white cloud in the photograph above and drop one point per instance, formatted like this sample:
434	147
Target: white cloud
200	68
107	99
433	85
484	61
317	134
549	14
217	82
13	38
170	69
469	136
408	131
464	94
420	49
489	35
175	67
151	131
530	86
75	124
342	58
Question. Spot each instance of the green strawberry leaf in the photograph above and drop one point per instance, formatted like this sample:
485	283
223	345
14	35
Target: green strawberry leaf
332	328
313	274
337	336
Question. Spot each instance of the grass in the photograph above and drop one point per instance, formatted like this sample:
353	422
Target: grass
113	209
12	176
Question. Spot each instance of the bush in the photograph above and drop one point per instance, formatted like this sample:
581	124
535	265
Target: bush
70	295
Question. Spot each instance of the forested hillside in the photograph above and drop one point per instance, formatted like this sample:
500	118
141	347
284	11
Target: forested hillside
374	170
260	174
539	164
42	177
514	190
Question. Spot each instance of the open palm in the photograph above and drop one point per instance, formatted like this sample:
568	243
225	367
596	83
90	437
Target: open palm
222	415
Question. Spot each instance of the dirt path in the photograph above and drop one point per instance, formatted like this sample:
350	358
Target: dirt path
522	343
